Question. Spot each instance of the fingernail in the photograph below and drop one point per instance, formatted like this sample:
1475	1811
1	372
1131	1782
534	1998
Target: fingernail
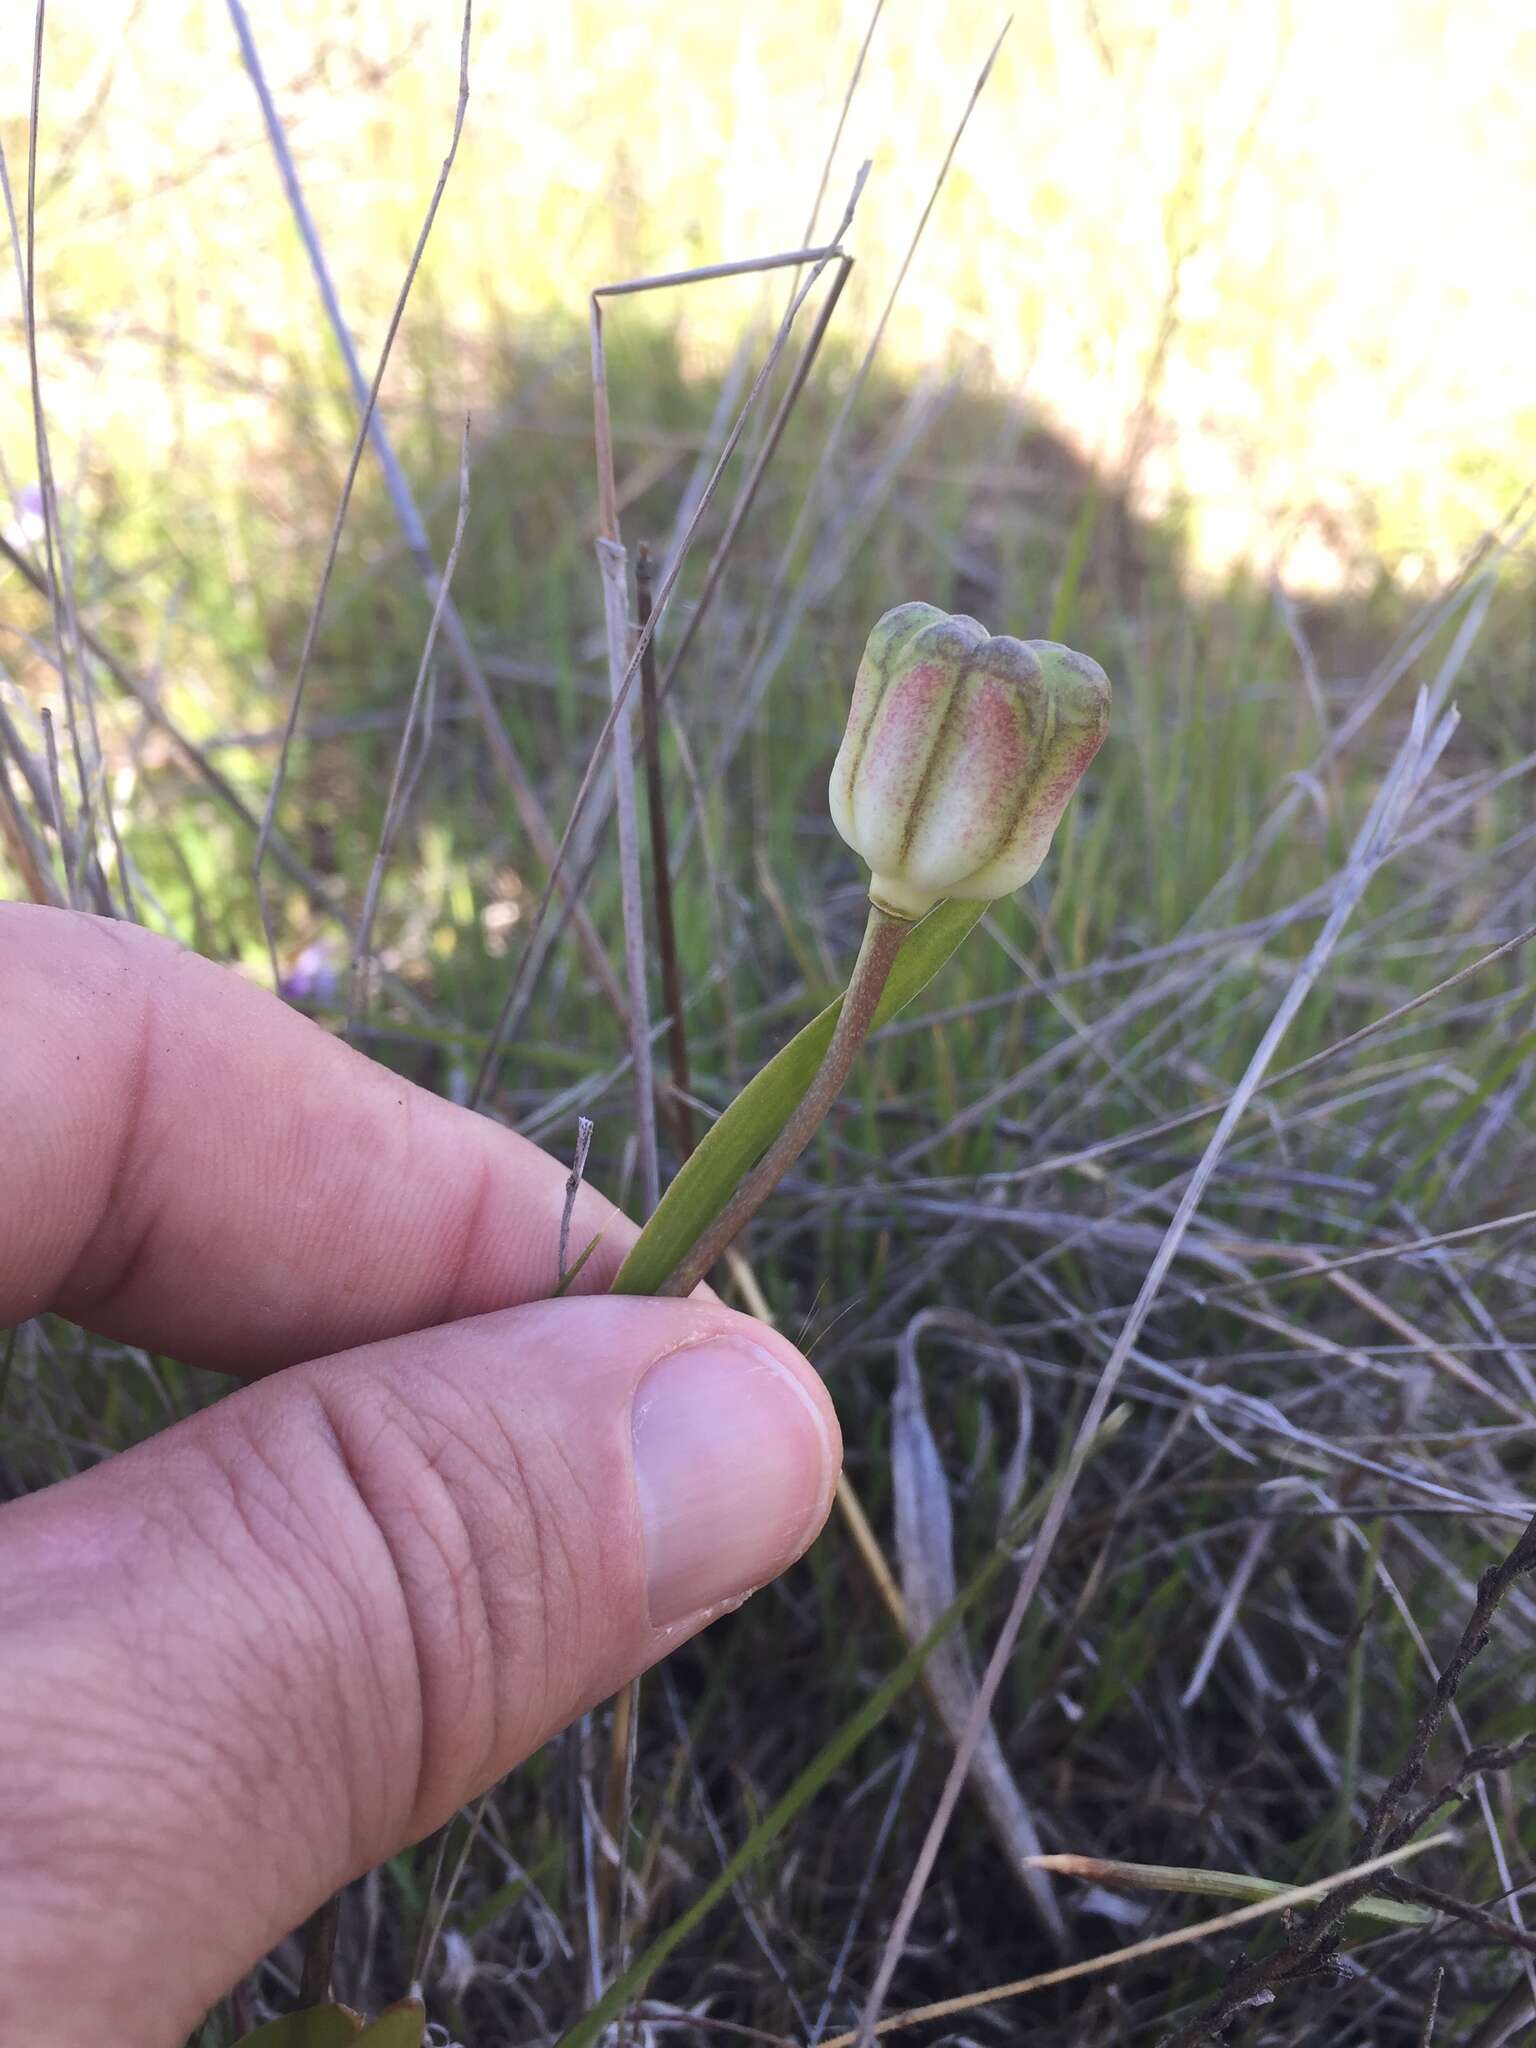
733	1467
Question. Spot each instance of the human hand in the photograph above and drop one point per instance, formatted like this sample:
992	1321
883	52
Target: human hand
253	1657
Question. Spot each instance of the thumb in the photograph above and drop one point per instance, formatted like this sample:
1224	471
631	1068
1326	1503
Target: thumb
259	1654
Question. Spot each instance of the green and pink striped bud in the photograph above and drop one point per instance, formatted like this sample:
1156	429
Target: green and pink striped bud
960	756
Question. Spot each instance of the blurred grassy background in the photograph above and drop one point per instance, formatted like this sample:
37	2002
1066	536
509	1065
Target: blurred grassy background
1267	260
1214	360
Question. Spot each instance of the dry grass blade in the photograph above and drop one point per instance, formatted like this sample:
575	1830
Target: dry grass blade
810	508
746	496
252	57
1148	1134
82	871
56	795
584	1129
406	772
1311	1266
1158	1944
23	844
613	564
195	756
525	796
1470	593
926	1555
1373	847
785	610
876	1863
1388	1823
771	439
661	870
1305	1265
433	1922
818	258
1237	1586
842	119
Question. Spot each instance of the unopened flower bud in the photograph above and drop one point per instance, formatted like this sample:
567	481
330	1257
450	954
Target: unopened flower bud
960	756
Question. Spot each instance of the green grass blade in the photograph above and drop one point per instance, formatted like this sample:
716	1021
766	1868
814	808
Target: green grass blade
738	1139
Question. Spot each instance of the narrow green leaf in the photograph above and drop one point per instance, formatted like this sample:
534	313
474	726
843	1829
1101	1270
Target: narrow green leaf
318	2026
569	1281
738	1139
1072	571
337	2026
398	2026
1215	1884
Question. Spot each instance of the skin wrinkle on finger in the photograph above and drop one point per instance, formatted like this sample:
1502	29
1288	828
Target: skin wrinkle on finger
411	1473
343	1569
414	1748
325	1202
286	1597
469	1256
131	1763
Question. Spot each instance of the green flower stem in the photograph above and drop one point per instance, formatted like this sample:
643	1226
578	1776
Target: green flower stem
884	937
734	1143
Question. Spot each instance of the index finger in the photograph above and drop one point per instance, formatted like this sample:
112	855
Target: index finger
193	1167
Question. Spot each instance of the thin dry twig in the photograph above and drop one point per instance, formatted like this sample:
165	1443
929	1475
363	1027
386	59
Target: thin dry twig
1432	2007
1512	2013
1447	1903
613	563
584	1129
876	1863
